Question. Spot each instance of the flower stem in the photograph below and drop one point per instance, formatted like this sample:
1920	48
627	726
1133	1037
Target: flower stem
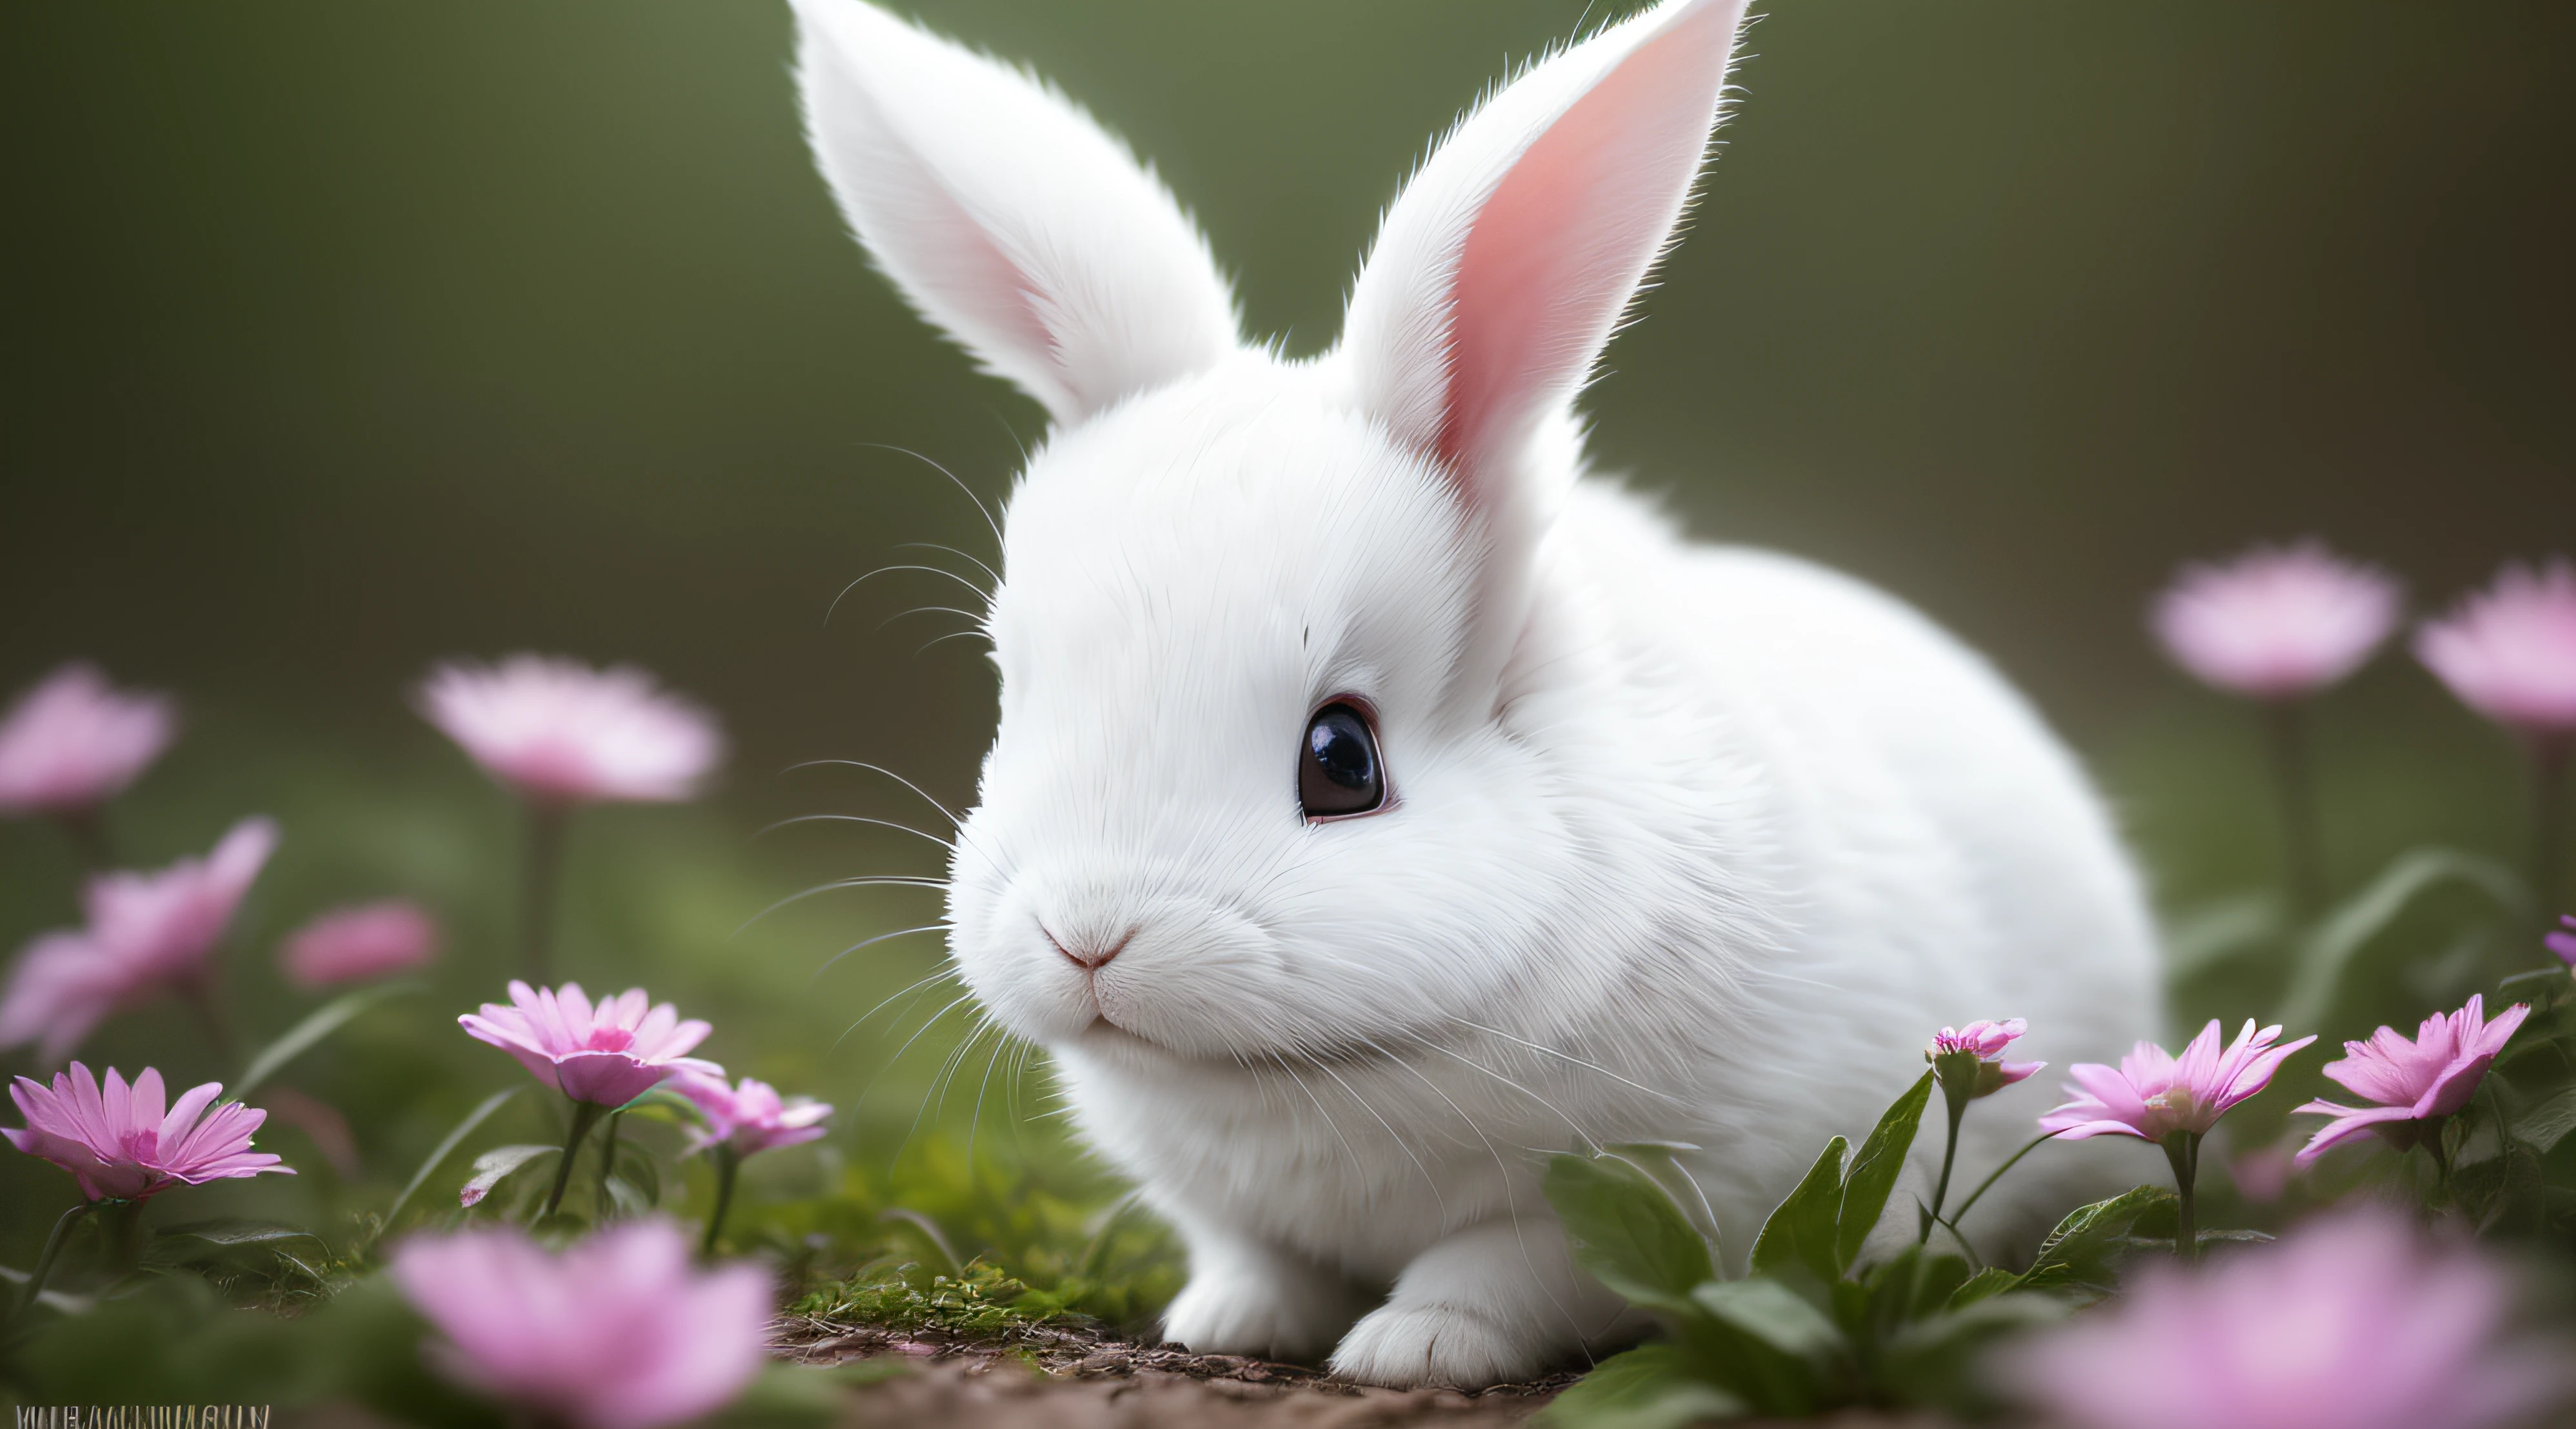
2182	1150
583	1114
727	1164
1958	1104
2549	758
121	1223
2286	722
1988	1183
87	830
53	1249
198	990
537	896
607	1163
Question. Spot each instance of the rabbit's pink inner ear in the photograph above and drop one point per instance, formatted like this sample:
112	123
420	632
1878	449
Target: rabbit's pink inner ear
960	255
1565	238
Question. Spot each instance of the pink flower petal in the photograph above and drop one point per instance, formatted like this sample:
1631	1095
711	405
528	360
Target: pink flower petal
619	1332
2509	652
564	733
118	1140
2276	623
73	742
2431	1076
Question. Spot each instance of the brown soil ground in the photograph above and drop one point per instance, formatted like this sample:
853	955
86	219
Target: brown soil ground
1077	1379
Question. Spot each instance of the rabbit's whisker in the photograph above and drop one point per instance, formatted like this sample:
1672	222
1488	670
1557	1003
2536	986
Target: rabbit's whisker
885	570
1577	1127
976	620
1570	1057
1392	1134
903	881
944	810
857	819
962	555
1357	1165
981	509
872	942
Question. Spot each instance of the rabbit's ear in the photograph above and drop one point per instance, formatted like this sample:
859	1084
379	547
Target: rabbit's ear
1501	270
1006	214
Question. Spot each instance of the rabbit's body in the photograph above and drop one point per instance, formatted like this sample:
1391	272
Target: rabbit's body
1650	841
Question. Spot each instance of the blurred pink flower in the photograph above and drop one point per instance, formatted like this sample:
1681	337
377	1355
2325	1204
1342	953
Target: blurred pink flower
365	941
1986	1042
610	1054
2563	942
750	1117
2152	1094
564	733
2415	1082
2277	621
2509	652
147	932
2349	1323
74	741
119	1143
619	1332
2262	1175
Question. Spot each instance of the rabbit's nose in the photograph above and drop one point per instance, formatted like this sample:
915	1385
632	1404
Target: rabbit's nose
1091	959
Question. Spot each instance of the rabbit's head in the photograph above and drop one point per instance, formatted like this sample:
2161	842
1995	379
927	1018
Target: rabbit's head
1254	793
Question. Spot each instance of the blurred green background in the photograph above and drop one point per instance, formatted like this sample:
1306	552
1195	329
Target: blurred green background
344	337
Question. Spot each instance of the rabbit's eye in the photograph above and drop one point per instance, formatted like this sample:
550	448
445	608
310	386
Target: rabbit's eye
1337	771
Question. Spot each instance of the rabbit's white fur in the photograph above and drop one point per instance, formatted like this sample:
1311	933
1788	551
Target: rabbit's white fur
1685	844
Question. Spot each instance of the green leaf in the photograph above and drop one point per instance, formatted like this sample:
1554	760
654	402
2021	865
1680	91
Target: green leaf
497	1165
454	1138
1991	1281
1935	1361
2204	937
1776	1316
2544	1125
1662	1161
2539	981
1800	1231
2077	1255
1873	1173
197	1241
1649	1387
2321	958
639	1174
1627	1231
234	1231
330	1017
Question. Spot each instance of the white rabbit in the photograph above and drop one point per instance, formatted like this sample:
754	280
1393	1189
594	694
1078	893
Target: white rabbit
1381	803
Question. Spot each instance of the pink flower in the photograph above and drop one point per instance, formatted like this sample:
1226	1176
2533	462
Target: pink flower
750	1117
353	944
2347	1323
610	1054
564	733
2152	1094
2262	1175
2563	942
2416	1083
73	742
2277	622
1986	1042
2509	652
120	1144
146	932
619	1332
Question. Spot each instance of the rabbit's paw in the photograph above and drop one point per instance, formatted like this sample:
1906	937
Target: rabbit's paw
1407	1346
1257	1306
